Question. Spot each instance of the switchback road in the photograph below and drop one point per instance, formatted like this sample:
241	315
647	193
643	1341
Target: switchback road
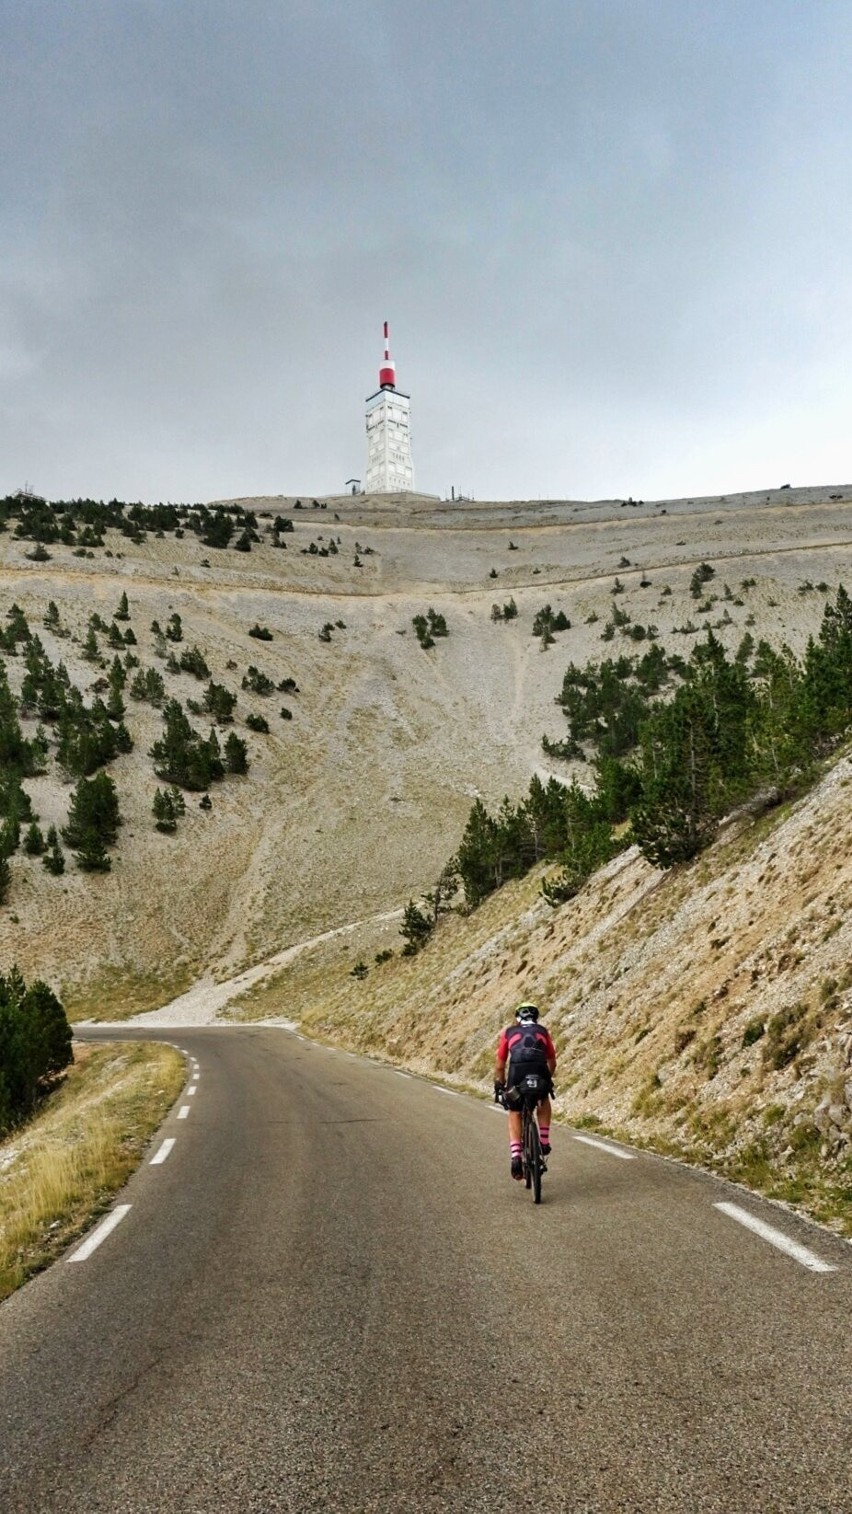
327	1295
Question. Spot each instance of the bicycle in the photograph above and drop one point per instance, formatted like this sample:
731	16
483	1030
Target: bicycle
529	1094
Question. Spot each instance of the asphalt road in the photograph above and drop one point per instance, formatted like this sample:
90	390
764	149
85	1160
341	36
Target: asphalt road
330	1296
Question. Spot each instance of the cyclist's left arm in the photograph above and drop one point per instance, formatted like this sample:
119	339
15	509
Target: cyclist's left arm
501	1060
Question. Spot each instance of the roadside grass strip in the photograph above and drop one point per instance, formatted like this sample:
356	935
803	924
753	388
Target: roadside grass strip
100	1233
611	1151
61	1169
163	1152
801	1254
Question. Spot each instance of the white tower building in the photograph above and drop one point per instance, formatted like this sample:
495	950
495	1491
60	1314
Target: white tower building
389	465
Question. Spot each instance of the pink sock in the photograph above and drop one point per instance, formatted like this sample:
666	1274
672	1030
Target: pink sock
544	1132
515	1147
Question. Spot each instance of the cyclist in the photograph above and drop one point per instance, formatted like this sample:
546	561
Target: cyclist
527	1047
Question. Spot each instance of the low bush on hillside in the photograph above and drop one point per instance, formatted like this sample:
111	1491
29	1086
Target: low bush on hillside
429	626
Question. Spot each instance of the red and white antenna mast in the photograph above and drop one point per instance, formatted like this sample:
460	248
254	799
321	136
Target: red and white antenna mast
387	372
389	466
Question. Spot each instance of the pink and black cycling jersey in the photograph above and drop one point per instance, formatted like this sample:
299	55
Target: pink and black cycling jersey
528	1048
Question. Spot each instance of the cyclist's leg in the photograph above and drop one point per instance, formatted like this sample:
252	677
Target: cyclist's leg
544	1112
515	1142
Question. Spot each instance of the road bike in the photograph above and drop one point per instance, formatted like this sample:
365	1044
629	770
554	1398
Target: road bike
526	1096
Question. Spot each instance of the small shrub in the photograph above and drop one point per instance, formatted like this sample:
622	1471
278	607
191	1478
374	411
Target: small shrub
702	575
257	682
753	1031
787	1034
192	661
34	842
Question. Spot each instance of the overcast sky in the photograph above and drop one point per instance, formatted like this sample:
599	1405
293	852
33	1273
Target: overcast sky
612	238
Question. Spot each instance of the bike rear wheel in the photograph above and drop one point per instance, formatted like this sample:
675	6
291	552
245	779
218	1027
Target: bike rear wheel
528	1173
535	1160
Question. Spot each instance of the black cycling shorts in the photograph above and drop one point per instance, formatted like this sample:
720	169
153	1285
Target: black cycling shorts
517	1071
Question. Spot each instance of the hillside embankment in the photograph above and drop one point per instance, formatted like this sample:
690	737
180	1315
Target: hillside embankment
705	1012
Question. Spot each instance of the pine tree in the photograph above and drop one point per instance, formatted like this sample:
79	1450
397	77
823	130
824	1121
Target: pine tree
54	858
90	649
236	754
168	806
93	822
115	706
117	674
416	927
477	853
34	843
123	611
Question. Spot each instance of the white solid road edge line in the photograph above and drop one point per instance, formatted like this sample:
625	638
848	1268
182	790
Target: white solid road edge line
100	1233
801	1254
613	1151
163	1152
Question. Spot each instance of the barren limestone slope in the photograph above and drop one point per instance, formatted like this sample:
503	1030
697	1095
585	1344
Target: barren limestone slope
353	804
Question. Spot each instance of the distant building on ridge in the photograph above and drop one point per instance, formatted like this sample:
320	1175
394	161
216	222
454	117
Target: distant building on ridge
389	465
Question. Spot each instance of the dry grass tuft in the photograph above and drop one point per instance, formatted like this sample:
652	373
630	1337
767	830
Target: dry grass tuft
62	1169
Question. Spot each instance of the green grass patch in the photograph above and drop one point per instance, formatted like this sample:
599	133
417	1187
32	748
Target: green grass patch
118	993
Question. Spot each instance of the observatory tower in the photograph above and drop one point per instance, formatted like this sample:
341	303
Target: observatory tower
389	465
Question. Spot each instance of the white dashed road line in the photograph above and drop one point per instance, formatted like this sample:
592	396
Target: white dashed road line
100	1233
163	1152
184	1111
191	1091
613	1151
800	1254
402	1074
451	1091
